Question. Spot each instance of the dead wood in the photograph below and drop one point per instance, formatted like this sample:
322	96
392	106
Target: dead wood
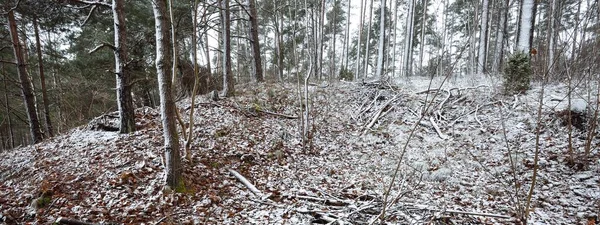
66	221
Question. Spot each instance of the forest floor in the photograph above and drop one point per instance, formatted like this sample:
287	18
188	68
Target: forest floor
455	169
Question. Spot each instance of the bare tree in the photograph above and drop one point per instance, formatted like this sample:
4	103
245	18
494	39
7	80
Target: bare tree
172	158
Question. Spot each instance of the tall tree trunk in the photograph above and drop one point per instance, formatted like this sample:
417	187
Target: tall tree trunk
258	71
26	85
395	39
525	29
347	37
408	41
228	87
368	42
551	33
423	27
124	98
173	168
380	50
45	101
483	40
499	53
358	47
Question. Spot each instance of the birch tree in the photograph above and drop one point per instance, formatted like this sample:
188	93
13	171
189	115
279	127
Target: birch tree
173	167
525	29
483	40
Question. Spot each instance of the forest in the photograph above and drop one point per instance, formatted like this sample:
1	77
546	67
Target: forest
299	112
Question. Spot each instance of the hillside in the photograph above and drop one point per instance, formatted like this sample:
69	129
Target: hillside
456	168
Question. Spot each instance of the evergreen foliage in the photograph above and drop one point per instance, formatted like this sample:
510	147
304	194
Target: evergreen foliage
517	74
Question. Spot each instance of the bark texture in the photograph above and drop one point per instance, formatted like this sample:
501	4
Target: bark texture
173	167
124	98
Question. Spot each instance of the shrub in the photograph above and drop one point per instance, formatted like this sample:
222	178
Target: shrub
346	74
517	74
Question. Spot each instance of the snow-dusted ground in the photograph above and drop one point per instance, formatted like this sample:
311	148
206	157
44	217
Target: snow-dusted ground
464	168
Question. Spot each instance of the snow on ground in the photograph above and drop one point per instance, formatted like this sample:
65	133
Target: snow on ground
445	175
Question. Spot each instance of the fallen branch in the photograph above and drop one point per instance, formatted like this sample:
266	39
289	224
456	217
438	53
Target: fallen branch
66	221
430	208
437	128
245	181
331	202
378	114
278	114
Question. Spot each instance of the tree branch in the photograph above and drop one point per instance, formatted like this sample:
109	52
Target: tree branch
8	62
112	47
96	3
89	15
12	8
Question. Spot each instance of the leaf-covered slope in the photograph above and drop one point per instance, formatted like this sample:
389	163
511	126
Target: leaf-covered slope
460	167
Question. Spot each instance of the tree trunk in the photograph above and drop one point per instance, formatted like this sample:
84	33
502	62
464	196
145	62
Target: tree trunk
45	101
258	71
423	27
380	50
358	48
395	39
172	158
26	85
499	53
347	37
525	29
124	98
367	44
407	56
551	33
228	87
483	40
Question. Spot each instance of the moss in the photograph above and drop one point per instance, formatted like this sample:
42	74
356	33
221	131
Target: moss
43	201
221	133
182	188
